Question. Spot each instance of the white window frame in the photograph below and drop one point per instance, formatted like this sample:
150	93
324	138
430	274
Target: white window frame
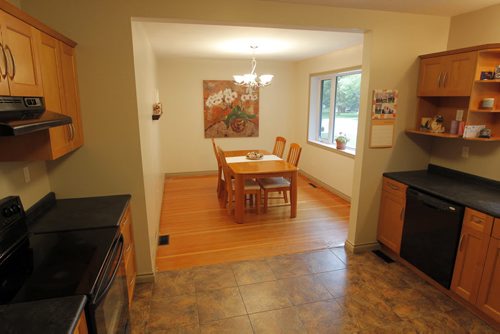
314	127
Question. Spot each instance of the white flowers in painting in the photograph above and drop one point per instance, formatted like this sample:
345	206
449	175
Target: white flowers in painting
228	96
214	99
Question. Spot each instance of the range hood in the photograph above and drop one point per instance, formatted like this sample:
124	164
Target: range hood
20	115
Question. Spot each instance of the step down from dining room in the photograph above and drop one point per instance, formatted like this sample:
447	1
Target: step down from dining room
163	240
384	257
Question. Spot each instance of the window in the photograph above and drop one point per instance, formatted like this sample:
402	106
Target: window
334	107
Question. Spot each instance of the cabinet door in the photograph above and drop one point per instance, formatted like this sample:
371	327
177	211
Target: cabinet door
71	97
53	92
471	255
20	42
459	75
392	205
489	292
430	76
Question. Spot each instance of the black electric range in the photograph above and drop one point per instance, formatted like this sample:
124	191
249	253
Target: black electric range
57	264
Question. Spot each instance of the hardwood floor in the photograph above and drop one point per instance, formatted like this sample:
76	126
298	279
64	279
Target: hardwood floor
202	233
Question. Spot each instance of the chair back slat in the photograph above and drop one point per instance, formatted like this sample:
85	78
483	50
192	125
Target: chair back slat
294	154
279	146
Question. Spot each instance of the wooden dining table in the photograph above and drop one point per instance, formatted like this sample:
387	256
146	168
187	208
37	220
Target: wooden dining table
254	169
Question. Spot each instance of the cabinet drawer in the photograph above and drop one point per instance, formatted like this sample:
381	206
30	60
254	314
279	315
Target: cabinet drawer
394	187
478	221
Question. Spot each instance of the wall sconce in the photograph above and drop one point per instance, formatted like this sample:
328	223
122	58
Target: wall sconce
157	111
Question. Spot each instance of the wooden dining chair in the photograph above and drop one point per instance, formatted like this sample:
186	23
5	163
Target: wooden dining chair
220	176
280	184
279	146
251	186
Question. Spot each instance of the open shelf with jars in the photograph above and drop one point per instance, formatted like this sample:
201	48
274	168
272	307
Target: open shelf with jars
451	81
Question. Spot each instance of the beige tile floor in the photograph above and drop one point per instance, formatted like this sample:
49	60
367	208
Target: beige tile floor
324	291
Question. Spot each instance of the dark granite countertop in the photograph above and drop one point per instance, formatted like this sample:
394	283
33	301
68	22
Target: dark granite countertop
57	315
471	191
54	215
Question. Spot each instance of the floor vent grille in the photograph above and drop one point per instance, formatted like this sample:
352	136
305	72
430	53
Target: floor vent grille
384	257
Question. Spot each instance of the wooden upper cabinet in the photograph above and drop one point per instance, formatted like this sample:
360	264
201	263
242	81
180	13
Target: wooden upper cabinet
19	58
391	216
471	255
53	92
488	299
61	93
450	75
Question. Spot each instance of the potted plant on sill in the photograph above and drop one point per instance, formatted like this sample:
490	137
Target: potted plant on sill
341	141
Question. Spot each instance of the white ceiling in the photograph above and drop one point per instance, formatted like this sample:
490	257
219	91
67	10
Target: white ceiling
233	42
430	7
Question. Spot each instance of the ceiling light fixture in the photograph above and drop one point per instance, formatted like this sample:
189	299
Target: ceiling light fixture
251	79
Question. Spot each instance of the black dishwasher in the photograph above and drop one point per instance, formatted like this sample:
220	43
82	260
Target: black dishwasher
431	234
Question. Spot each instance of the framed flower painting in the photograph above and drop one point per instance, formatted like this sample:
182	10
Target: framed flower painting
230	110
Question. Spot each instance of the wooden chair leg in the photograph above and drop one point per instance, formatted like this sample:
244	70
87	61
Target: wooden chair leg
285	196
257	201
266	194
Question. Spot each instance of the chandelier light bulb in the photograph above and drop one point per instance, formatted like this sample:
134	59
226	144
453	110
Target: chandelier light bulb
252	79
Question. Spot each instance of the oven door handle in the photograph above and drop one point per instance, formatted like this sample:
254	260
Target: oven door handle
101	294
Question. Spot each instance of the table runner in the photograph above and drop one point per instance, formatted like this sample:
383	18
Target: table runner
267	157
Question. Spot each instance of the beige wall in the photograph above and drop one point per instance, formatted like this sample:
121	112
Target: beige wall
336	170
12	181
111	159
146	88
475	28
184	147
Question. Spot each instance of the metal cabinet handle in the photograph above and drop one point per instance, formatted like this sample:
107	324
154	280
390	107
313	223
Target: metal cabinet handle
7	49
439	79
4	75
71	131
132	282
477	220
393	186
444	78
402	214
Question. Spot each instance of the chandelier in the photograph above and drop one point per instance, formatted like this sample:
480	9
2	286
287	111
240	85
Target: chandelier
251	79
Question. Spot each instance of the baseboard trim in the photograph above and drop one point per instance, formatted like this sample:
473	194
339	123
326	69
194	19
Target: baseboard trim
198	173
145	278
326	186
361	248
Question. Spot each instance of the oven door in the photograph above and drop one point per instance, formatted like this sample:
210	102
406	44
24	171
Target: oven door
108	310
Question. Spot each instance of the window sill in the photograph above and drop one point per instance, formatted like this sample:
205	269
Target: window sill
348	152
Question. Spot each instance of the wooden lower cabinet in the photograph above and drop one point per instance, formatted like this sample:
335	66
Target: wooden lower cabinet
81	326
471	254
488	299
129	253
391	216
